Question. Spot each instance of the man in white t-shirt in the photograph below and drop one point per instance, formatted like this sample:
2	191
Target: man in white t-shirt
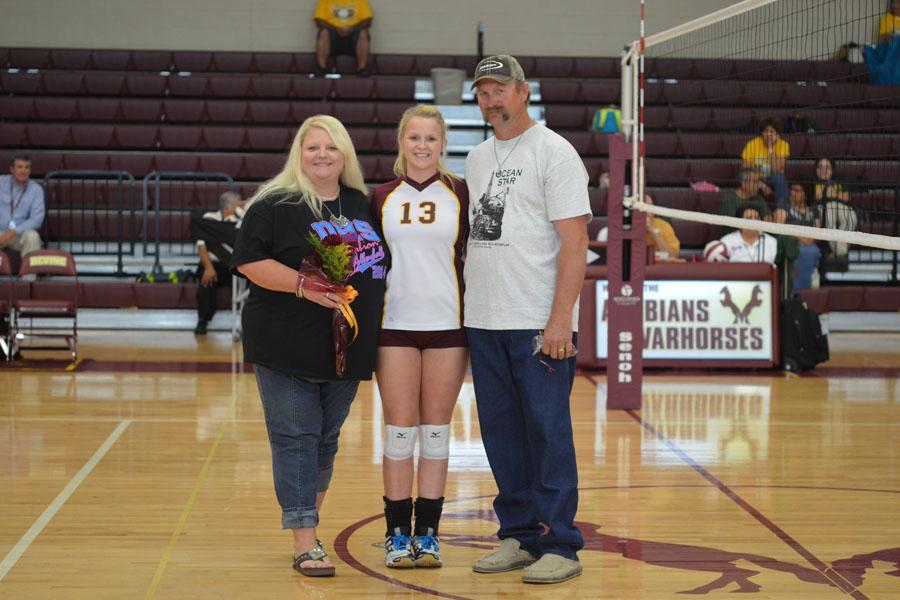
750	245
524	271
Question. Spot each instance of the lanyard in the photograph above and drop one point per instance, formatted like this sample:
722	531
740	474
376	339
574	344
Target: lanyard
13	205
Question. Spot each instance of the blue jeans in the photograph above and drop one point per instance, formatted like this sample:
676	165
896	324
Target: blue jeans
526	427
805	264
780	189
304	421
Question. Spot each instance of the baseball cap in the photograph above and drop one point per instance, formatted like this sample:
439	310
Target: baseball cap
501	68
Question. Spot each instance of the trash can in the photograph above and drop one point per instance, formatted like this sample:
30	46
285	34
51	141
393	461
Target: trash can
448	85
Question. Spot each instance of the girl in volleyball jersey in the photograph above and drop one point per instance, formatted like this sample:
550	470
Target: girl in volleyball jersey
422	354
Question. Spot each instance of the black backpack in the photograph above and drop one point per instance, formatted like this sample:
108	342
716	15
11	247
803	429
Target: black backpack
803	345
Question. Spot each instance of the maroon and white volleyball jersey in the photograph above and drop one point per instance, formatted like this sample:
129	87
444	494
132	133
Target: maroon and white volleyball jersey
425	226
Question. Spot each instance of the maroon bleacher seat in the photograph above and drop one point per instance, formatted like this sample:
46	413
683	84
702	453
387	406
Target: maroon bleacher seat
62	83
270	139
268	111
19	83
387	113
137	136
386	139
14	134
881	299
712	69
669	68
846	298
760	70
720	172
354	88
598	198
872	146
596	68
883	96
263	166
48	135
50	108
426	62
108	294
300	110
226	111
595	168
192	60
600	92
233	62
87	161
161	295
553	91
825	145
272	86
274	62
393	64
230	164
139	109
682	93
225	137
309	88
365	139
806	95
690	117
734	119
97	109
666	144
177	162
104	84
70	59
561	116
844	95
666	171
93	135
182	110
145	84
111	60
682	198
395	88
151	60
229	86
693	234
192	85
659	117
29	58
14	107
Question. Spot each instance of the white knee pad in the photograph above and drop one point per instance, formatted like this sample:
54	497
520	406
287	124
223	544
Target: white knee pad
434	441
399	442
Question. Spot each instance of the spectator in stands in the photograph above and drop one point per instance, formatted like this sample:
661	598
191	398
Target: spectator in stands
889	25
883	59
215	233
749	245
524	272
746	194
768	153
343	29
422	349
832	198
287	319
21	208
661	237
801	213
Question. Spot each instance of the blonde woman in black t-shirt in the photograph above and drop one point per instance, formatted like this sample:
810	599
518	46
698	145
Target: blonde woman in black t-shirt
287	319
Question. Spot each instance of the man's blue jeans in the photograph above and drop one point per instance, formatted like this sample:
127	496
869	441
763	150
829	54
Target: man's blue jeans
304	421
526	427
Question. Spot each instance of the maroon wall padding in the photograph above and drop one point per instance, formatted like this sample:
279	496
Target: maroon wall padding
160	295
882	299
587	317
815	299
108	294
846	298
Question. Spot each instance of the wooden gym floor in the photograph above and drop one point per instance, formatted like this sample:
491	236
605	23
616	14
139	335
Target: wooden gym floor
144	472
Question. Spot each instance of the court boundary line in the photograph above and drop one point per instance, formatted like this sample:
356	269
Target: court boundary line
836	578
13	556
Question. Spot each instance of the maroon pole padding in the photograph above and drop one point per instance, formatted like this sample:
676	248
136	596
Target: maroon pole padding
626	256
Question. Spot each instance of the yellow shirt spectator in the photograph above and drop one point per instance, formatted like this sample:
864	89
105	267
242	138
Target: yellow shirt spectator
756	153
666	232
343	13
889	25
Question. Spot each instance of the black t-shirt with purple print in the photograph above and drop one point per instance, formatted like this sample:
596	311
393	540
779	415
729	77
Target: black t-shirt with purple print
294	336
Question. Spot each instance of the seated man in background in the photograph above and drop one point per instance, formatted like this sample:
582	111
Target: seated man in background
746	194
215	233
661	237
21	208
749	245
343	29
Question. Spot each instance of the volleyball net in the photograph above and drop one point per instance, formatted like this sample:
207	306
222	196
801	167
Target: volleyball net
768	116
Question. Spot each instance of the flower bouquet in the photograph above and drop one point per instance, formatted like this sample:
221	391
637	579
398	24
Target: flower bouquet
327	269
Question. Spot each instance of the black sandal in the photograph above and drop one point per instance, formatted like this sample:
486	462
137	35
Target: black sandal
316	553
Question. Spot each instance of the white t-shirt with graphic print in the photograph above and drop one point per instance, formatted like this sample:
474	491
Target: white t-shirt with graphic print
510	269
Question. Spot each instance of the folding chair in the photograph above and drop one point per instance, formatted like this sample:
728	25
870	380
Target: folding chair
239	293
6	305
46	262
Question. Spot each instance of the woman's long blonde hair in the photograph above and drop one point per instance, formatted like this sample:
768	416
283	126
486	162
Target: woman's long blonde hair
425	111
292	180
